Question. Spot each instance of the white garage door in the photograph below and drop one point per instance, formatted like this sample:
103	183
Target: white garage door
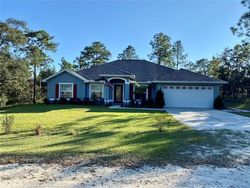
188	96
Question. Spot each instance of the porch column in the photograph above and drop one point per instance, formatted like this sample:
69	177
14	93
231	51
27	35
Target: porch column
106	93
126	91
131	91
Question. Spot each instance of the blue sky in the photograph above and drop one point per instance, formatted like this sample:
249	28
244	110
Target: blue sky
202	26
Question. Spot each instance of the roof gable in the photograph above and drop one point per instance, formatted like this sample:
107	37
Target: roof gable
68	71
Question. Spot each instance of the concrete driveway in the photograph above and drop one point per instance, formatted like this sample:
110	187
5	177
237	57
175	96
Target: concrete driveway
209	119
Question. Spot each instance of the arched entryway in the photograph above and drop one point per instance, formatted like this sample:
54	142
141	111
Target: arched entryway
118	92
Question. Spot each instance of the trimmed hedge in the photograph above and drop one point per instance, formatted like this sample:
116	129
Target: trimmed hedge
76	101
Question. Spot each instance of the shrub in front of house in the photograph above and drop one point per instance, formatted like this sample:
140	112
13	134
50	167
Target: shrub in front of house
7	123
86	101
75	101
63	101
46	101
159	99
108	103
218	103
99	101
50	101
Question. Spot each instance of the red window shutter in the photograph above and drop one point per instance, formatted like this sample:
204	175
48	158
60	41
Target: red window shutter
75	91
57	91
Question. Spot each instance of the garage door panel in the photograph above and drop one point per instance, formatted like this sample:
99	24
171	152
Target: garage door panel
198	98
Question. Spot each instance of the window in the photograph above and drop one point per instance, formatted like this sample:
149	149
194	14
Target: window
209	88
196	87
177	87
171	87
66	90
96	91
203	88
190	87
184	87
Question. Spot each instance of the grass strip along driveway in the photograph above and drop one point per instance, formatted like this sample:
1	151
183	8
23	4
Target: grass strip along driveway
99	134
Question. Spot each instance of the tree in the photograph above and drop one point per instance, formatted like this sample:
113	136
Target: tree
12	36
235	67
161	50
92	55
189	66
243	26
202	66
66	64
14	70
39	43
14	79
20	50
128	54
237	59
45	72
178	54
216	69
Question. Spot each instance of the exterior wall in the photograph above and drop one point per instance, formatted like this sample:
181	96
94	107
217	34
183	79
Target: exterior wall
111	93
106	92
126	91
216	91
86	90
83	88
154	91
110	90
65	78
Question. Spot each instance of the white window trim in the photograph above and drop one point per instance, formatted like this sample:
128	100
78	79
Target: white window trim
90	90
72	89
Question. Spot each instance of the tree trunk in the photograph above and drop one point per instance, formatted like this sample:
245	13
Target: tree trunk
34	84
40	80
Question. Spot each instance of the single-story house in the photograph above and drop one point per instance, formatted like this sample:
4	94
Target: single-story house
122	81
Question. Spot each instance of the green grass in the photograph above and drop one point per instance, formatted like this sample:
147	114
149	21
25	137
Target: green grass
243	104
247	114
97	132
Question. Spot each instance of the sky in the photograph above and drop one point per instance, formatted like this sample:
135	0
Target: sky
203	26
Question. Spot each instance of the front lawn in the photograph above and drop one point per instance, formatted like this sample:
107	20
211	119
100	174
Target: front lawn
247	114
98	134
243	104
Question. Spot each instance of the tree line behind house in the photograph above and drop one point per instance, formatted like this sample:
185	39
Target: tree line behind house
25	60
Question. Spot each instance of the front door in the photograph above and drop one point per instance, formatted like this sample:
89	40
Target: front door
118	93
